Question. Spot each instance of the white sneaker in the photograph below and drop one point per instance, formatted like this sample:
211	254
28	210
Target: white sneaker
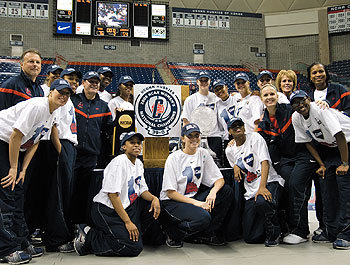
293	239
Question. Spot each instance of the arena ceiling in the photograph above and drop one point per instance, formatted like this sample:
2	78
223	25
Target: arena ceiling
256	6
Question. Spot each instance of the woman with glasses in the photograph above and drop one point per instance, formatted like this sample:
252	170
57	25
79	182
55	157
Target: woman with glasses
291	161
194	196
247	106
331	129
122	100
23	125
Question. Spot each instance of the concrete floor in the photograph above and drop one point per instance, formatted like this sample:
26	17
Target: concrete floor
236	252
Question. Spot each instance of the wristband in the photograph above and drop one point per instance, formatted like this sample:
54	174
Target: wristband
343	163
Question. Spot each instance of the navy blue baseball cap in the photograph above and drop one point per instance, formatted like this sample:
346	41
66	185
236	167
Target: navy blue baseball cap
234	120
53	68
242	76
60	84
91	74
69	71
189	128
265	72
218	82
125	79
203	74
129	135
298	94
105	69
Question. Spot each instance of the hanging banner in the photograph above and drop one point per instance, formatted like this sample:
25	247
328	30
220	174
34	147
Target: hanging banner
157	110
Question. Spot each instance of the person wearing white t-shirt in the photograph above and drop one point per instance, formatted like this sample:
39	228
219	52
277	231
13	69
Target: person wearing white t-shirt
123	209
52	73
204	98
23	125
194	195
331	129
122	100
247	105
250	159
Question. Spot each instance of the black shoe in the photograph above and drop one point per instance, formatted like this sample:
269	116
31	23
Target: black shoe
172	243
209	240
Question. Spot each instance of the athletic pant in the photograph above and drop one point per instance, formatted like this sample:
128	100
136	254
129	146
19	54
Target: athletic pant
336	198
110	237
59	228
260	218
215	144
13	228
82	183
182	220
297	173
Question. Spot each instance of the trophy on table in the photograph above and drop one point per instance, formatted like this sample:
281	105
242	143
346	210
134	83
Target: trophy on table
205	118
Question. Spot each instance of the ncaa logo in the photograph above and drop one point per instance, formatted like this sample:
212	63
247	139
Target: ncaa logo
157	110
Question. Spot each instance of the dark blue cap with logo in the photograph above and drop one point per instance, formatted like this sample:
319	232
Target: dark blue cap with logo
69	71
242	76
60	84
298	94
91	74
129	135
52	68
105	69
218	82
203	74
265	72
234	120
125	79
189	128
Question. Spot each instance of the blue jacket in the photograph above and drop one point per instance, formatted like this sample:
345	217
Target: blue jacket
93	116
17	89
338	98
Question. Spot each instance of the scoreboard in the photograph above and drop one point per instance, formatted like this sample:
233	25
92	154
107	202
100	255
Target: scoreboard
111	19
338	19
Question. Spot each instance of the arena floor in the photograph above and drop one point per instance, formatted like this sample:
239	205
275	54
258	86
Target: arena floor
236	252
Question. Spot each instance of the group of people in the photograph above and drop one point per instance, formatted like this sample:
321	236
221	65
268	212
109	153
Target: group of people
276	141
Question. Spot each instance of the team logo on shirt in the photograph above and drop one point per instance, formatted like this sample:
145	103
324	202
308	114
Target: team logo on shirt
249	160
191	186
80	105
131	191
28	92
157	109
318	134
40	131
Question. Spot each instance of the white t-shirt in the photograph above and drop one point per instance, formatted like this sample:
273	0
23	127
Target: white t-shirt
225	113
123	177
31	117
320	94
104	95
248	157
282	98
196	100
321	125
46	89
249	109
184	173
67	123
118	102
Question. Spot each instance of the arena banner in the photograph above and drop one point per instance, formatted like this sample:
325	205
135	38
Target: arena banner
158	110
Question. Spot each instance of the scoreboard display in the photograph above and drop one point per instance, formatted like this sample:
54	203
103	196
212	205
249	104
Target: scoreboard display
111	19
338	19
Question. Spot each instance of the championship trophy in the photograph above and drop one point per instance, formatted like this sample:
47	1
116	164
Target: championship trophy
205	118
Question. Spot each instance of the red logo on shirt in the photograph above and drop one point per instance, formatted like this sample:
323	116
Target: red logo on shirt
80	105
191	187
28	92
97	108
251	177
132	197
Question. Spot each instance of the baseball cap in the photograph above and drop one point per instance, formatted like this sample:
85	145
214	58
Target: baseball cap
105	69
60	84
91	74
69	71
124	79
203	74
298	94
218	82
242	76
52	68
129	135
234	120
189	128
265	72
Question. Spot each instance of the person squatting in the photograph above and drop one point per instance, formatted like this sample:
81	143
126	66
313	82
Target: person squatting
276	141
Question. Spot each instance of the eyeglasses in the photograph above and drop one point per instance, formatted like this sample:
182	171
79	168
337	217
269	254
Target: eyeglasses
240	82
297	104
64	93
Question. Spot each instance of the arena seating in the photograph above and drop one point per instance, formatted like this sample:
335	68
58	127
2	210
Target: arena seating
340	72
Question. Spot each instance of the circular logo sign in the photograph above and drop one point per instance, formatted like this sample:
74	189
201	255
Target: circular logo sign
125	121
157	109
